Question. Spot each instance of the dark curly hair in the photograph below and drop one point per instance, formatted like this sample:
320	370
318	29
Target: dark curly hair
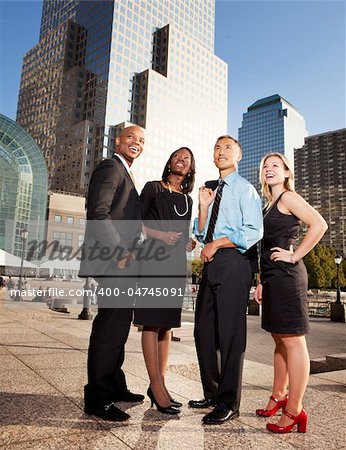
189	180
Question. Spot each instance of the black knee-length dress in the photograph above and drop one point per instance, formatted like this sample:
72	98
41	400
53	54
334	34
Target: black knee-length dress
285	285
164	210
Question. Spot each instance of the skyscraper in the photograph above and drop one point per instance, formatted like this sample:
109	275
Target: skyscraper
99	64
270	124
320	172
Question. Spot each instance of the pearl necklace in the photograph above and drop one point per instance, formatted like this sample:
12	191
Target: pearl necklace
175	208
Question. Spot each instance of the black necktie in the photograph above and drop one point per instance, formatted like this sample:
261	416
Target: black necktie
214	213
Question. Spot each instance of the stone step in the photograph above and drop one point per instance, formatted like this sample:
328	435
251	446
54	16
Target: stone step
328	364
60	304
318	365
338	361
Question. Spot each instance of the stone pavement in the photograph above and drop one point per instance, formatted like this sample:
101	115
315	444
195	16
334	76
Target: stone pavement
325	337
43	371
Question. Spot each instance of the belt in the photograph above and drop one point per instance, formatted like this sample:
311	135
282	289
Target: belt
225	250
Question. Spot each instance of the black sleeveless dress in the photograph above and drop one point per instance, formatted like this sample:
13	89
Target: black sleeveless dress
285	285
168	277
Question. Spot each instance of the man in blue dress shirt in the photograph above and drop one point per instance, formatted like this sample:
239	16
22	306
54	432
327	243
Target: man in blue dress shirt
229	223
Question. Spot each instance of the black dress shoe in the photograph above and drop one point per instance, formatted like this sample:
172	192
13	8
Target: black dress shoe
204	403
220	414
108	412
128	396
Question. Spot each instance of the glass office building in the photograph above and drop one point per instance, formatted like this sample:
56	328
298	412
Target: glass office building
150	63
23	186
270	124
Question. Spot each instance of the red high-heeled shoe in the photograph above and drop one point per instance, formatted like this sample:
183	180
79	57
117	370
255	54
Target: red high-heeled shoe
301	421
270	412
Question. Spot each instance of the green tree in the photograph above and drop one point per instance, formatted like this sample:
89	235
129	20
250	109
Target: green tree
321	267
326	256
343	273
316	278
197	268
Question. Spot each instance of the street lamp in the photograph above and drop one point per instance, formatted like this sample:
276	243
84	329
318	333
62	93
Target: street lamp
24	233
337	309
338	260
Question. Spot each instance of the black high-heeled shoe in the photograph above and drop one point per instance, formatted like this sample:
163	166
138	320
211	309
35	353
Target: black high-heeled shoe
175	403
163	409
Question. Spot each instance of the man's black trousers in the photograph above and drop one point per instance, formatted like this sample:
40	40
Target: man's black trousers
110	330
220	324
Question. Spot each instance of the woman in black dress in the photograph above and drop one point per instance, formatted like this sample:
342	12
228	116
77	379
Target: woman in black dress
282	289
166	210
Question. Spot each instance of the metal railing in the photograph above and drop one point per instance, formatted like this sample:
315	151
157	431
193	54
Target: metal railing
319	308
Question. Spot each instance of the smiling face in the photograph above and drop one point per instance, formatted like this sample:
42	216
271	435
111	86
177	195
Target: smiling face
180	163
227	154
274	171
130	143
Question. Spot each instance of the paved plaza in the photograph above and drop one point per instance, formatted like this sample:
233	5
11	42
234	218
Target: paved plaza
43	370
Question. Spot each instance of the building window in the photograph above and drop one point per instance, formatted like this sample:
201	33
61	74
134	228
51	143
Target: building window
80	240
63	238
58	219
70	220
81	221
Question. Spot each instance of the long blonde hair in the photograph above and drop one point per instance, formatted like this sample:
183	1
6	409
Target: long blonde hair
288	183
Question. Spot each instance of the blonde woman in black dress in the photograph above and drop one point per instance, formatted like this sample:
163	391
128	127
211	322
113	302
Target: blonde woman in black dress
166	210
282	289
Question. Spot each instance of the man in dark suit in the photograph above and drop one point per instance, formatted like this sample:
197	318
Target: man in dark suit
114	214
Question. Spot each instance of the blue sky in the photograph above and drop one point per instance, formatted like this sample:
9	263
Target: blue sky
292	48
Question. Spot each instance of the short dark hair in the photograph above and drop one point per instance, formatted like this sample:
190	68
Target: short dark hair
189	180
228	136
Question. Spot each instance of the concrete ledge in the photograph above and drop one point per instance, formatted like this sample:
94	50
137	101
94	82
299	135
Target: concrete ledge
336	362
318	365
62	302
328	364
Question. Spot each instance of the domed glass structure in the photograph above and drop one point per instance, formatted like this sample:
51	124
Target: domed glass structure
23	186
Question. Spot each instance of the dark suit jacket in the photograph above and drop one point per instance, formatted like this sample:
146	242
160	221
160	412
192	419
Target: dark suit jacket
113	218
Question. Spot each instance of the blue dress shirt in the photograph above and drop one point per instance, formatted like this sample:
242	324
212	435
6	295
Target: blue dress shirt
240	215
